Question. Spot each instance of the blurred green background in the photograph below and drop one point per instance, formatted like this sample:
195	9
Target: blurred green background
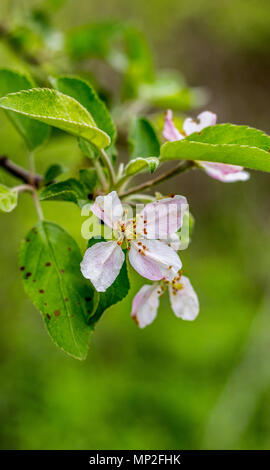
175	384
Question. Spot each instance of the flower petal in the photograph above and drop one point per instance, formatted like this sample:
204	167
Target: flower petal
184	301
204	119
102	263
154	260
174	241
223	172
145	305
170	132
159	219
108	208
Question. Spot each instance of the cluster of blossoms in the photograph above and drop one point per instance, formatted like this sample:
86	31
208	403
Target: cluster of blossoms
152	239
152	242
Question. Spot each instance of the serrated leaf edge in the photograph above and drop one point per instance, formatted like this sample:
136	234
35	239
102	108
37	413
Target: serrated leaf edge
81	125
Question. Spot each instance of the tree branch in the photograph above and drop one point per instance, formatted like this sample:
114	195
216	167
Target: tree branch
183	166
27	177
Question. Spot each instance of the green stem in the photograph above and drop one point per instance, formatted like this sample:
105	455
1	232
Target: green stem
101	175
107	163
29	188
144	198
31	159
22	188
183	166
122	181
34	192
37	205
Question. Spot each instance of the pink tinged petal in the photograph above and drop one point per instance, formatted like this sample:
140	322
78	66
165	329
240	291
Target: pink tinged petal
203	120
207	118
159	219
154	260
225	173
143	265
170	132
184	302
145	305
102	263
108	208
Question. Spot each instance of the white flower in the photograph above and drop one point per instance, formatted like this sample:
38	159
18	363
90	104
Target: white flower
149	256
183	298
145	304
220	171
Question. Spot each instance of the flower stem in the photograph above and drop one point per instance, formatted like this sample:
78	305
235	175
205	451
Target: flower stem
122	181
34	192
101	175
22	188
140	197
107	163
31	159
27	187
183	166
37	205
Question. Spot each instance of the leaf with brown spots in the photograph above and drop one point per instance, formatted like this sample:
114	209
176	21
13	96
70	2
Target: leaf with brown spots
63	299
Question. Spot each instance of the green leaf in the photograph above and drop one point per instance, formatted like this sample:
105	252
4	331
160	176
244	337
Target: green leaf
82	91
223	143
8	198
52	172
88	179
191	222
123	46
143	139
169	90
35	133
140	164
40	23
69	190
50	264
186	230
138	52
95	39
56	109
140	67
87	149
118	290
232	134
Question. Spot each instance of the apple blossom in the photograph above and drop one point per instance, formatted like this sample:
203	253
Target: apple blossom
220	171
149	238
183	298
143	237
